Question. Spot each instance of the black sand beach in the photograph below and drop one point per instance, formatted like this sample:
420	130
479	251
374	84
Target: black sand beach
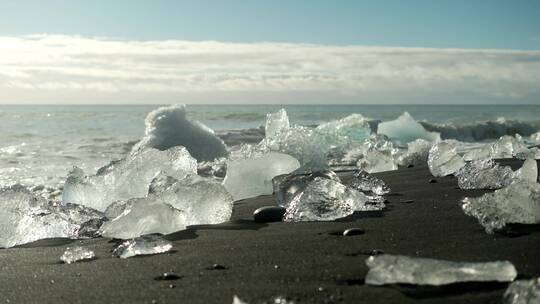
307	262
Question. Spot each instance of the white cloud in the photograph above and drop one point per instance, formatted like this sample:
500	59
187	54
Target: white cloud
70	63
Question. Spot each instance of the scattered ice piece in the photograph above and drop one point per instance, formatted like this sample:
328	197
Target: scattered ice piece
253	177
523	292
25	218
398	269
353	127
517	203
75	254
484	174
477	154
443	159
507	147
126	178
365	182
416	154
377	161
237	300
276	123
535	138
143	245
216	168
528	171
405	129
287	186
169	127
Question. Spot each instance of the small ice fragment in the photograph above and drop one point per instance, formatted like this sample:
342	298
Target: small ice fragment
443	159
237	300
76	254
507	147
377	161
405	129
365	182
215	169
416	154
528	171
398	269
168	127
143	245
253	177
286	186
523	292
276	123
484	174
517	203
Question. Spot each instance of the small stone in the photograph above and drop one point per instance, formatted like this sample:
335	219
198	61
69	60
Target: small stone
353	231
168	276
269	214
406	201
171	286
217	267
432	181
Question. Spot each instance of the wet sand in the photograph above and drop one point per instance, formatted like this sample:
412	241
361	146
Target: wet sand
307	262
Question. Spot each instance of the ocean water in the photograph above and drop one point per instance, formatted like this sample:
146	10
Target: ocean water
40	144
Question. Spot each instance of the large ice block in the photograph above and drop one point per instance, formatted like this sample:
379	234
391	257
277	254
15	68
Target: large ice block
398	269
528	171
374	160
523	292
143	245
363	181
168	127
405	129
416	154
126	178
253	177
517	203
276	123
484	174
443	159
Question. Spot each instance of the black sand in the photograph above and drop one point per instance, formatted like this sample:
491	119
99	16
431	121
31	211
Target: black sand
308	262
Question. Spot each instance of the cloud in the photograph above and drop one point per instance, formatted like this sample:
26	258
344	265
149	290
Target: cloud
77	64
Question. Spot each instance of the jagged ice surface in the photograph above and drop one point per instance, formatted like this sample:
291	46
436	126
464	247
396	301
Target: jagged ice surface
523	292
484	174
443	159
144	245
416	154
365	182
398	269
76	254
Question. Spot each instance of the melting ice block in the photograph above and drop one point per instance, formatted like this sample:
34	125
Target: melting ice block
365	182
377	161
397	269
253	177
405	129
528	171
354	127
144	245
25	217
484	174
287	186
169	127
517	203
126	178
276	123
443	159
416	154
505	147
523	292
76	254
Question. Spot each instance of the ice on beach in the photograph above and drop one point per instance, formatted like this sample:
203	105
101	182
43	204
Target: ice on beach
350	153
373	161
253	177
76	254
143	245
528	171
484	174
170	206
215	169
535	138
126	178
443	159
365	182
505	147
416	154
25	218
354	127
517	203
169	127
523	292
405	129
398	269
287	186
276	123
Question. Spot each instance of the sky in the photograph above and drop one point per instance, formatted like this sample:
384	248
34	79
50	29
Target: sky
295	51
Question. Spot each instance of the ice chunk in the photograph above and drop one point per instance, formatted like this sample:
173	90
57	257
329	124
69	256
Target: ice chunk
365	182
144	245
127	178
169	127
377	161
507	146
287	186
416	154
528	171
484	174
535	138
523	292
325	200
76	254
253	177
25	217
338	132
517	203
237	300
443	159
477	154
397	269
405	129
215	169
276	123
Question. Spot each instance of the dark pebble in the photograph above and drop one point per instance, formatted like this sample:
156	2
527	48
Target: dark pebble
353	231
217	267
410	166
406	201
167	276
269	214
432	181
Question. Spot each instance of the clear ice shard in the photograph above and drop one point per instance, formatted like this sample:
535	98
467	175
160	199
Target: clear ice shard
25	218
143	245
170	206
126	178
398	269
528	171
168	127
276	123
253	177
484	174
405	129
416	154
325	199
287	186
374	160
363	181
517	203
505	147
76	254
443	159
523	292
